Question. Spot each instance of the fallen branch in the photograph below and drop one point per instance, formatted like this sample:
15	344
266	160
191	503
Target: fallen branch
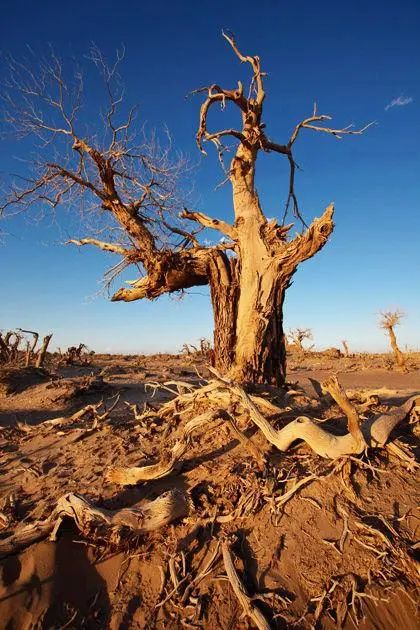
96	522
216	393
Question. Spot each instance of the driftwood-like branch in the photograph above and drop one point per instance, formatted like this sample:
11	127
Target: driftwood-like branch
381	428
208	222
333	387
171	461
91	521
108	247
303	428
322	442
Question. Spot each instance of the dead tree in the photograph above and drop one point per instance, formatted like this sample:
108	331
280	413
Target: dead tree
76	354
134	182
9	347
43	351
345	347
390	319
298	336
30	349
4	348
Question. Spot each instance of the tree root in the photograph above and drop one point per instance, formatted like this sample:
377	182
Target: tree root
215	393
249	608
374	434
303	428
333	387
381	428
92	521
171	461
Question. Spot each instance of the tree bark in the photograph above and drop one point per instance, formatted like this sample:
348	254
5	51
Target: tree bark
224	291
260	354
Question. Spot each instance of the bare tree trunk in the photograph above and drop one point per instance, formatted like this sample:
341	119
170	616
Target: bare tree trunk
300	347
4	350
43	351
346	348
249	344
399	357
248	291
30	349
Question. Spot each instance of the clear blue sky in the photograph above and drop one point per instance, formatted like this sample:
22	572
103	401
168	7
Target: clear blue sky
353	58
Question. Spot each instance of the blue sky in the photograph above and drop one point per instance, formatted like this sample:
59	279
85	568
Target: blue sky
354	59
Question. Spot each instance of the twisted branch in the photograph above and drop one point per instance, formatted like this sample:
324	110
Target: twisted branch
91	520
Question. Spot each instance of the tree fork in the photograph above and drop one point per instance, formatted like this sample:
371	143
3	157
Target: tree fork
134	184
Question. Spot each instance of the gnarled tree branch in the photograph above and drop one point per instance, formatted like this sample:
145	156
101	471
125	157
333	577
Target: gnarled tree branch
208	222
107	247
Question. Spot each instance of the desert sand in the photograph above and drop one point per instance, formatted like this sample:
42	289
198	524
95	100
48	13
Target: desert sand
339	552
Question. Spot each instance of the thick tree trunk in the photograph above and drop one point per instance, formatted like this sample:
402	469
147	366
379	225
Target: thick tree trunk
248	290
399	357
261	346
250	344
259	354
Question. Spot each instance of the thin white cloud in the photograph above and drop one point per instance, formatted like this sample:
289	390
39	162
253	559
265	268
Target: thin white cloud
400	101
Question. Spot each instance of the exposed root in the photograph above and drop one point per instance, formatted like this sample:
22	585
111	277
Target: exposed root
381	428
248	606
393	545
333	387
174	387
216	394
130	476
185	595
302	428
88	412
91	521
399	452
245	441
322	442
170	461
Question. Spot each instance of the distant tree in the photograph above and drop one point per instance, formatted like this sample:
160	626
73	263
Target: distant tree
298	336
345	347
131	183
10	352
390	319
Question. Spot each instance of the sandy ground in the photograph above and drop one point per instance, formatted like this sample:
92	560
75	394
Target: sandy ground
294	557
